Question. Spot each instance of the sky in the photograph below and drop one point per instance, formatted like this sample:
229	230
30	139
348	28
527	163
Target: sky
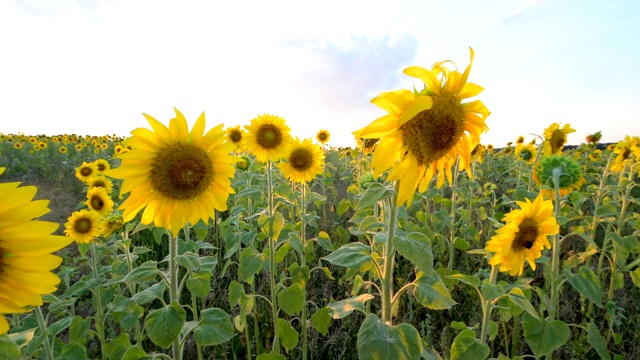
94	66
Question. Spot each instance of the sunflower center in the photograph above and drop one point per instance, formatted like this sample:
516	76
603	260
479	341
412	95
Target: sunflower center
301	159
626	153
235	136
101	167
322	136
97	203
99	183
526	235
86	171
181	171
557	140
82	226
269	136
526	154
434	132
1	262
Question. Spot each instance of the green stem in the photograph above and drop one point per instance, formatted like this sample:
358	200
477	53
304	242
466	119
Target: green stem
515	335
555	249
173	289
303	261
272	260
452	236
487	307
42	324
99	317
388	258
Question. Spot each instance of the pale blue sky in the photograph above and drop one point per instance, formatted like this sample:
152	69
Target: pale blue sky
92	67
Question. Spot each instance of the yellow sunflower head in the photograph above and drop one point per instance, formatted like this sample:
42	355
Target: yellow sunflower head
83	226
304	161
569	175
100	181
102	165
424	132
111	224
99	201
235	135
526	153
555	138
627	150
323	136
85	171
79	147
175	175
26	247
268	138
594	138
17	145
478	153
523	236
62	149
520	140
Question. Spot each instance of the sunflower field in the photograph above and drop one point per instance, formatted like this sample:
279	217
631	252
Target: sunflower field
247	243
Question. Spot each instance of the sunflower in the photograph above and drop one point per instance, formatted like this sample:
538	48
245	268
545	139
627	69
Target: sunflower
62	149
424	132
17	145
489	147
569	174
626	149
478	153
79	147
594	138
523	236
100	181
102	165
244	163
367	145
99	201
86	171
175	175
236	136
83	226
323	136
555	138
520	140
111	224
304	162
268	137
526	153
26	245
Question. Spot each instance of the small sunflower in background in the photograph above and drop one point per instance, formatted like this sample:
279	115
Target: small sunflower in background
26	247
489	147
323	136
102	165
17	145
424	132
594	138
111	224
478	153
244	163
524	236
366	145
63	149
526	153
520	140
626	150
85	171
235	135
555	138
569	175
304	162
176	176
268	138
78	147
99	201
100	181
83	226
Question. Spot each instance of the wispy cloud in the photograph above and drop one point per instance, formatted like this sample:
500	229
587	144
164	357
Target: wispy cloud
354	70
526	10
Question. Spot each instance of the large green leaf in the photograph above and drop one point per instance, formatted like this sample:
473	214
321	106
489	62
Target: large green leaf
73	351
271	356
466	347
431	292
116	348
278	224
135	353
587	283
156	291
199	283
596	340
164	324
321	320
291	299
288	335
416	247
79	328
189	261
8	348
377	340
374	193
250	264
343	308
354	255
518	298
145	272
214	327
543	336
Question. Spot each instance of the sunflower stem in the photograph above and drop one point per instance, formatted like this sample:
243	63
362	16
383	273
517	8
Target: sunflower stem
555	248
272	260
452	236
388	257
99	317
487	307
42	324
173	289
303	261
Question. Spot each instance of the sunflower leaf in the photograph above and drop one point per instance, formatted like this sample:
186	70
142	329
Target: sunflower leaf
377	340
